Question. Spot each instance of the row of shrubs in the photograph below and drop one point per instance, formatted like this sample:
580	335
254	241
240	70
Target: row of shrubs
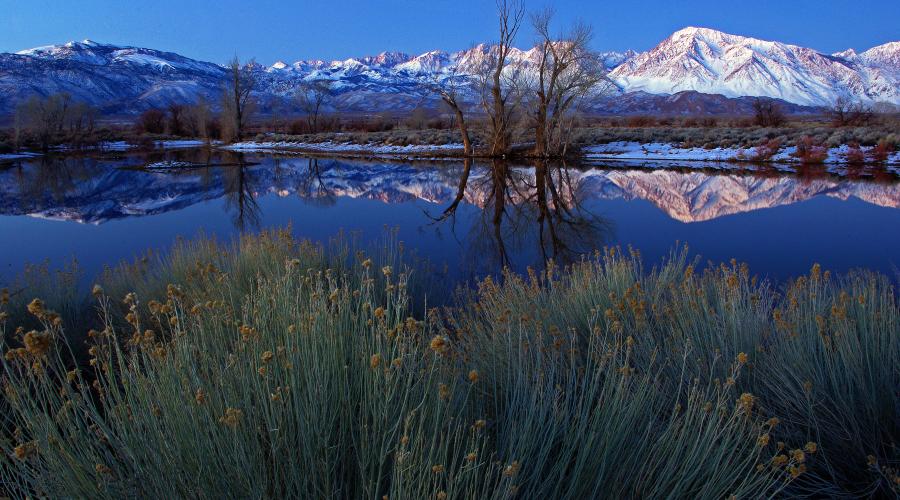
808	151
276	369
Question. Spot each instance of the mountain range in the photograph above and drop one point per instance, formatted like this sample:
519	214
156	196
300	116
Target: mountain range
695	70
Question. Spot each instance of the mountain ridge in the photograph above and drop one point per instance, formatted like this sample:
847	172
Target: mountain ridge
697	60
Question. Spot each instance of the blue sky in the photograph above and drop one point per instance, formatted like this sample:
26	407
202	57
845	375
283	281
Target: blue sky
303	29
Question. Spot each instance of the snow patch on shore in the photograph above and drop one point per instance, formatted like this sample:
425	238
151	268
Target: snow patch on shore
183	144
661	151
339	147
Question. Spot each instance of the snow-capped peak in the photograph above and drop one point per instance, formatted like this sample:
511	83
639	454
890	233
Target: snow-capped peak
690	61
887	56
710	61
848	54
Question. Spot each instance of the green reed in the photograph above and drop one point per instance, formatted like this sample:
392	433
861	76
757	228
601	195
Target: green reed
275	368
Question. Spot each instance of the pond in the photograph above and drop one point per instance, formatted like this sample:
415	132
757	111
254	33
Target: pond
102	209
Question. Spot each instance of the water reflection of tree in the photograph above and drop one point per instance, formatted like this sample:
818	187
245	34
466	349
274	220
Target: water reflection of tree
57	176
538	206
312	185
239	195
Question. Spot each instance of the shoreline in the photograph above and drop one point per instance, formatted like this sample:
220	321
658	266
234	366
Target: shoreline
632	154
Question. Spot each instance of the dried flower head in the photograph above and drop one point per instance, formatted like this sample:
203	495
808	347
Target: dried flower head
440	344
473	376
26	450
746	401
375	360
37	344
36	307
232	417
511	469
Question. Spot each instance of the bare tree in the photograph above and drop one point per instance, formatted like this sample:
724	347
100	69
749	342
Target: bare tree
17	130
496	89
767	113
176	119
567	71
311	97
449	88
152	121
45	117
237	100
197	119
847	112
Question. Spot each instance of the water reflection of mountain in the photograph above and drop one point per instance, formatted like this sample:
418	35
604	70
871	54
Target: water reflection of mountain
93	191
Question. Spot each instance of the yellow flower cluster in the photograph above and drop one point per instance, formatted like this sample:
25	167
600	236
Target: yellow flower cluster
26	450
511	469
440	344
232	417
248	333
37	344
746	402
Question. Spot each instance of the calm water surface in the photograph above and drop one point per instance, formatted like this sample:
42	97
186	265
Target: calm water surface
103	209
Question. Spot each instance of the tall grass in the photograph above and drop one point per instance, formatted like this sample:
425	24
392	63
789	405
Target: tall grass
277	368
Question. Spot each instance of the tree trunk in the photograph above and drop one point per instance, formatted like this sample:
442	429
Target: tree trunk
540	131
463	129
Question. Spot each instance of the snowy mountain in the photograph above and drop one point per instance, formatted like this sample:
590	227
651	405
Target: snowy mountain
107	76
695	70
713	62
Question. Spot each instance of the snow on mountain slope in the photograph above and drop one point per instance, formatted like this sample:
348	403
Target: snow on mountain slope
115	79
710	61
689	72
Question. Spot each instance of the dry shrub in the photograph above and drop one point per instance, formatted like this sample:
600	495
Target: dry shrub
809	151
766	150
855	155
881	152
